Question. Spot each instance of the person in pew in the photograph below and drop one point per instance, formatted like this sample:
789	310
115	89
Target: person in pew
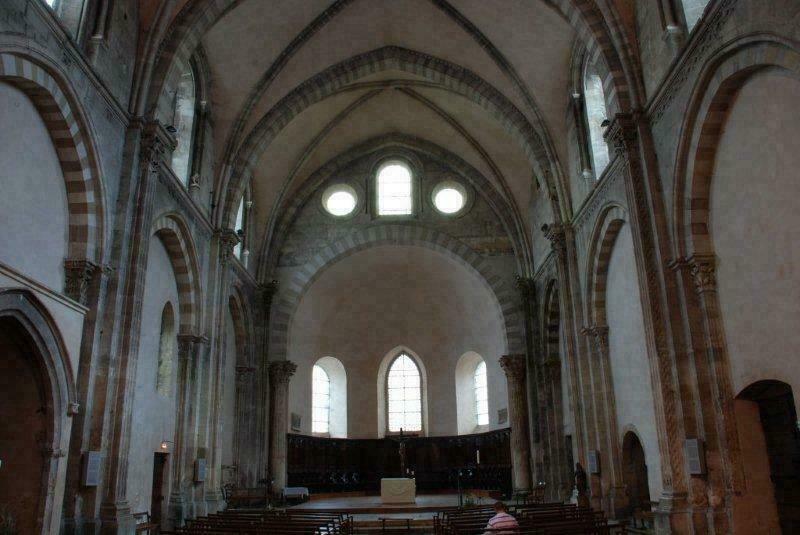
502	523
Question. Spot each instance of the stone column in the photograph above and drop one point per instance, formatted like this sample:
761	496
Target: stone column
280	372
514	366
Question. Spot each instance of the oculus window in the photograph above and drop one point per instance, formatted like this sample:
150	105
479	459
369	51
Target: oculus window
481	394
404	392
321	401
449	197
339	200
394	184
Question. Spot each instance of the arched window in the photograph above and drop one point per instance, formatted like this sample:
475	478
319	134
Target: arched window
166	351
404	393
321	401
596	113
242	251
481	394
395	189
183	116
693	11
329	398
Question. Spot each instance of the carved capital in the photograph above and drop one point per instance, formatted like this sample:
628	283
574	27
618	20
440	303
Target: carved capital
557	235
194	182
527	288
228	239
598	335
514	366
703	269
265	293
622	134
73	408
243	373
155	141
188	344
79	276
281	371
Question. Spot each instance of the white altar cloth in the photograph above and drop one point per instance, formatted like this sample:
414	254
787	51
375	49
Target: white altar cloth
398	490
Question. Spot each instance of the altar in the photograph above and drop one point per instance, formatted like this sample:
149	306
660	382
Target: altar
398	490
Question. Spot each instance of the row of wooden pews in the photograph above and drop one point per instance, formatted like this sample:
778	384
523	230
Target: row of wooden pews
534	519
276	522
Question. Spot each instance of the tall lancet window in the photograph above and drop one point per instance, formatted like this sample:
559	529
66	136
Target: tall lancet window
596	113
395	189
183	122
321	401
481	394
166	351
404	390
237	250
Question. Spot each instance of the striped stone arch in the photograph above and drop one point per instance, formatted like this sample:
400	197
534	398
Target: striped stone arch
712	99
604	236
67	129
196	18
288	211
177	239
291	292
336	78
242	326
552	322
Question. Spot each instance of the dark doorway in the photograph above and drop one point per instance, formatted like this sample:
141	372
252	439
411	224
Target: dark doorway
635	473
24	433
159	471
779	421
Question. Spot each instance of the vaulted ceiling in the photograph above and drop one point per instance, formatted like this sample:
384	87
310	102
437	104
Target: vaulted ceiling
258	52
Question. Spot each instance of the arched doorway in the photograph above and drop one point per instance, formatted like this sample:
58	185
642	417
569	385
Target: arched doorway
778	417
635	473
24	411
36	396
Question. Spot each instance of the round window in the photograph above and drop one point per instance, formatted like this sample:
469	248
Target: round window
449	197
339	200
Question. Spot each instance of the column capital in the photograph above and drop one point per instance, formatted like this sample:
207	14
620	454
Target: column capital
526	287
622	133
155	140
557	234
187	344
228	239
78	279
514	366
703	269
281	371
266	292
598	335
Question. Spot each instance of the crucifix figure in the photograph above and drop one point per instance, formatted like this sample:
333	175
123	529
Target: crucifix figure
401	441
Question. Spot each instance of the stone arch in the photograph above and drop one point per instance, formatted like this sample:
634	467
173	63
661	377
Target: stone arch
604	236
31	321
712	99
504	210
190	25
65	121
242	326
291	293
382	378
634	468
341	76
177	240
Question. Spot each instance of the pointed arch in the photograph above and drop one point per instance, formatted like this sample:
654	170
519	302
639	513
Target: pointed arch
609	223
24	315
66	123
383	376
173	232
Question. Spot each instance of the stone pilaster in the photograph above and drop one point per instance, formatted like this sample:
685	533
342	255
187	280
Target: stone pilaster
280	372
516	372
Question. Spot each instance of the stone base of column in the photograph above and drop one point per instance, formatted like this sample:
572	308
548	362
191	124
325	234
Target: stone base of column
618	502
177	511
116	519
214	502
673	514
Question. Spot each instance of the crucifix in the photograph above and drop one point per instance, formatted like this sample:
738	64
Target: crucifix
401	441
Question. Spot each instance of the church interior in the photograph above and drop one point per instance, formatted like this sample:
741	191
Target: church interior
276	267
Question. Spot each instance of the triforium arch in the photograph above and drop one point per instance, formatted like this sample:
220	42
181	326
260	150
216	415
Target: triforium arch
22	314
285	216
177	239
340	77
711	101
290	294
65	122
